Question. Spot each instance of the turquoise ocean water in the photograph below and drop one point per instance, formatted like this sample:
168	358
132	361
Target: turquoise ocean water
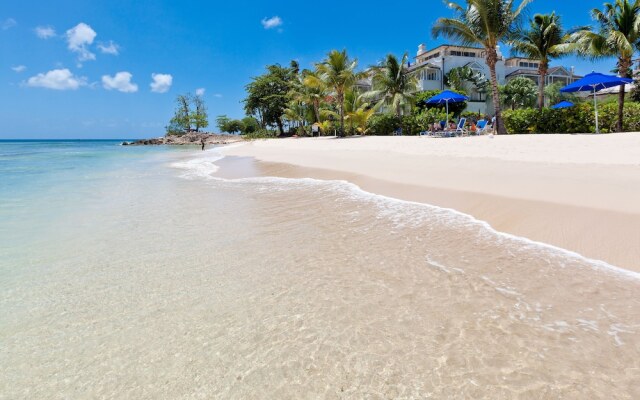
41	181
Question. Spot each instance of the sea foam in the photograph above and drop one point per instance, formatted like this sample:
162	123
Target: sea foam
203	167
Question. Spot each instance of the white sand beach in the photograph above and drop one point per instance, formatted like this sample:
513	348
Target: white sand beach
578	192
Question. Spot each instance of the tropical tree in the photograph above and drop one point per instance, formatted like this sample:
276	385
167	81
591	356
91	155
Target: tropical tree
181	120
222	121
554	95
485	23
618	36
267	95
337	73
305	98
315	91
357	112
250	124
519	92
296	113
543	41
199	117
226	124
392	86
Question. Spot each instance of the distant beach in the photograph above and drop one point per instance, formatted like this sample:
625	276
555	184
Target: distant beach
578	192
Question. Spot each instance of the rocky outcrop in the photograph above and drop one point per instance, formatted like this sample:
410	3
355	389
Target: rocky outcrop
193	138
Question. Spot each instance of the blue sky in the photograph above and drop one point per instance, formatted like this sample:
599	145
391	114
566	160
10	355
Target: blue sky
83	69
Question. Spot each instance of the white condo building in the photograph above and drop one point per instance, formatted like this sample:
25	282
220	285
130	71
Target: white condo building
432	65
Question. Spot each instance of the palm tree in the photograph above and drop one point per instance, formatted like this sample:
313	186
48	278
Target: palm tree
485	23
543	41
338	73
357	111
618	36
314	91
392	86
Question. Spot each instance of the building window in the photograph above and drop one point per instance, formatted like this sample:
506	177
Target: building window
434	55
525	64
462	53
432	75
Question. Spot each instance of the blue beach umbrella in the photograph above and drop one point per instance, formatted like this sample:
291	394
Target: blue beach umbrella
562	104
447	97
594	82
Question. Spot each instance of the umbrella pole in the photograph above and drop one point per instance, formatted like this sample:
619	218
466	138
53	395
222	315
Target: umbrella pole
447	124
595	105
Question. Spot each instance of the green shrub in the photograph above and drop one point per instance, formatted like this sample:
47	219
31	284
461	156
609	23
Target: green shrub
260	134
577	119
250	125
520	121
383	124
608	116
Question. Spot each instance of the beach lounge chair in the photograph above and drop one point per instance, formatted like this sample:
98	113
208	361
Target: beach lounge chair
460	127
458	130
481	127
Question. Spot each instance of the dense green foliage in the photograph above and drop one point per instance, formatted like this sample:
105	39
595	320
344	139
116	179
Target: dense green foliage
233	126
519	92
554	96
384	124
337	73
577	119
250	125
412	124
392	87
267	95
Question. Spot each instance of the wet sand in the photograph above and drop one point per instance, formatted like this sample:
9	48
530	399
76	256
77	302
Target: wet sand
582	194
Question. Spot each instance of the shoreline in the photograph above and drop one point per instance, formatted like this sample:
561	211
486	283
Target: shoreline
589	209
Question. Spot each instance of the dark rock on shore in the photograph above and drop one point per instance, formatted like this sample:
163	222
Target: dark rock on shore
191	138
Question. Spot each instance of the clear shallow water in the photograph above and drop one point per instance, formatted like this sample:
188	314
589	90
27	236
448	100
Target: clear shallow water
132	273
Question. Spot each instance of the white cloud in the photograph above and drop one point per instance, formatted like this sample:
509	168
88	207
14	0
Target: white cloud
79	38
110	48
8	24
218	95
200	91
19	68
58	79
45	32
161	82
120	82
273	22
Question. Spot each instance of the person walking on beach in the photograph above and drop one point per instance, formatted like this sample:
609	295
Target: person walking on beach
202	142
